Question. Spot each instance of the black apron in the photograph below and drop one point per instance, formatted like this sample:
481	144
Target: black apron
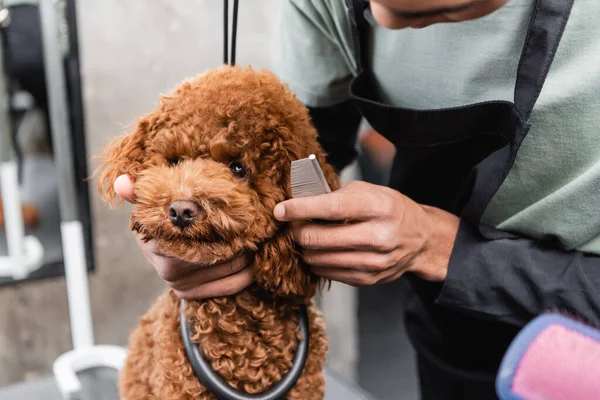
456	159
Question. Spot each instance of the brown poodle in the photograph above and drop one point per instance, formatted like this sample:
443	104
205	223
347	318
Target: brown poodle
220	147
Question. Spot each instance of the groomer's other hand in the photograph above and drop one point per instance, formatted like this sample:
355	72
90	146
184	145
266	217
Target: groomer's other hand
385	235
190	281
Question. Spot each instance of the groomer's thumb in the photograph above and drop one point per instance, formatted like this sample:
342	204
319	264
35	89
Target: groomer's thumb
124	188
279	211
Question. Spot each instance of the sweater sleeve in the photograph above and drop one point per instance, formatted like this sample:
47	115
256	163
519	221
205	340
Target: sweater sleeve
513	280
312	55
311	51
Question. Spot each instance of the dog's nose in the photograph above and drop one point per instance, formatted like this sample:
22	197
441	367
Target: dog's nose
183	213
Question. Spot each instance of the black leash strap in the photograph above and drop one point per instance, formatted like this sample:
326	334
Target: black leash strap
218	387
226	56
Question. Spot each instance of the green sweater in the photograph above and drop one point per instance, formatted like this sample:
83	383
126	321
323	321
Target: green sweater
553	189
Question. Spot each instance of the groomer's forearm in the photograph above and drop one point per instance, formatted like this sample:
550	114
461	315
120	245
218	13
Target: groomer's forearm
337	127
513	280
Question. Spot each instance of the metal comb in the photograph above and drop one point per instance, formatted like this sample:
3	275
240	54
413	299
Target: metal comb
307	178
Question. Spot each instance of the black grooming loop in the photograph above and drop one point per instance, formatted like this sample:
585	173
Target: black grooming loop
218	387
226	31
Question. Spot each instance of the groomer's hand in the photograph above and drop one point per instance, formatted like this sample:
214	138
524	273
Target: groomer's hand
187	280
385	234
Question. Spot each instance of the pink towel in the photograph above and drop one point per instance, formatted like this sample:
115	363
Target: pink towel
553	358
560	364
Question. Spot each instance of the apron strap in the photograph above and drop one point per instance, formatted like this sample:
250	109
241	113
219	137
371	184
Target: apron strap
358	25
543	37
544	34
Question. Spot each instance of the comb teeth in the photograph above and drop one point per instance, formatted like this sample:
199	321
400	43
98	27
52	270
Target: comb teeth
307	178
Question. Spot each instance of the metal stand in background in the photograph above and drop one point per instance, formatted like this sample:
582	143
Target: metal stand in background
25	253
84	354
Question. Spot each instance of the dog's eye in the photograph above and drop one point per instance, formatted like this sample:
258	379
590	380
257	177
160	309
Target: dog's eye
237	169
174	160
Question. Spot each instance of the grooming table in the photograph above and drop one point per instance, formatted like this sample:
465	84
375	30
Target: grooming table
100	384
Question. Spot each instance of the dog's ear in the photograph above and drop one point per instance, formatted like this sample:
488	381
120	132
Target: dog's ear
123	155
280	268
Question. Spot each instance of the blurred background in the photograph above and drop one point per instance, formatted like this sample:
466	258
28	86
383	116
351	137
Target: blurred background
119	56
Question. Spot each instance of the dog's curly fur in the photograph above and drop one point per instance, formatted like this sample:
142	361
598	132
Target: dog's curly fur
185	149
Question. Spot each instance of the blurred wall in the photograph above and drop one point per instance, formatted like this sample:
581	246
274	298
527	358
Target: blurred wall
131	52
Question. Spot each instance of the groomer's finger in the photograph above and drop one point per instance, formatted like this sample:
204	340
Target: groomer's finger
184	276
347	276
352	260
223	287
124	188
180	274
379	237
355	201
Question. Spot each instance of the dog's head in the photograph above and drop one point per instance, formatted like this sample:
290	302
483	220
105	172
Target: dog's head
210	164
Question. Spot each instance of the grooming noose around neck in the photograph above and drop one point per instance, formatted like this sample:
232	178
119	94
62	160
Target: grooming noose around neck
218	387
